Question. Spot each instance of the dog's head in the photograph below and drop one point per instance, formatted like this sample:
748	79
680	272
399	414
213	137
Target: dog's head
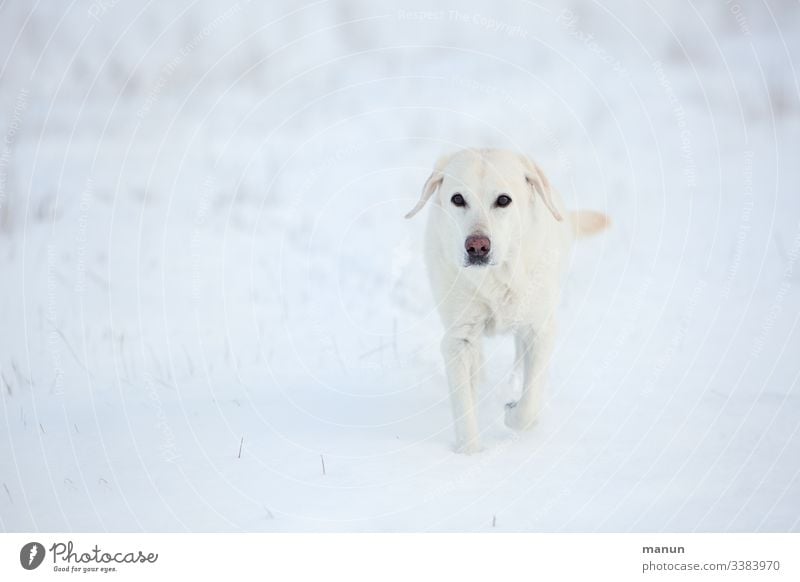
485	199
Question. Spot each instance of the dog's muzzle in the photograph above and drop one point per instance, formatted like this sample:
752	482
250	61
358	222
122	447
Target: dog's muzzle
478	248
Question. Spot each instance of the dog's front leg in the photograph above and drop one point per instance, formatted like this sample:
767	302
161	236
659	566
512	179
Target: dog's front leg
537	347
462	360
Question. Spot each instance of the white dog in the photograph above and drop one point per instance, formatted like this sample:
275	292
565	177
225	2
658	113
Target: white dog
495	243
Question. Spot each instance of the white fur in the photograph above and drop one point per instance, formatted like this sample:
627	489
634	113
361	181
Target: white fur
516	293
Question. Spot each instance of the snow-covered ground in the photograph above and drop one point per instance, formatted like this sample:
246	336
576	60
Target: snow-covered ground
213	316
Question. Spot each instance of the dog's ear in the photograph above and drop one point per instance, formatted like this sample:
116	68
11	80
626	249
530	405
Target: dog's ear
541	185
431	185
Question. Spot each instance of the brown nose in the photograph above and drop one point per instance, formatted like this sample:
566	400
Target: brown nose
477	245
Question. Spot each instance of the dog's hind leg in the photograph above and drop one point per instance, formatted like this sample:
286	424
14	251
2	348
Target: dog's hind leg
462	359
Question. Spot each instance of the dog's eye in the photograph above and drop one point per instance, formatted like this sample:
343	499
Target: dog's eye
503	200
458	200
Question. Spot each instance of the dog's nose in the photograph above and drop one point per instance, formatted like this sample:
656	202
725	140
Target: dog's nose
478	245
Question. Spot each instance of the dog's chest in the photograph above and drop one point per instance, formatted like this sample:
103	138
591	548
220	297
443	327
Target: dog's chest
507	306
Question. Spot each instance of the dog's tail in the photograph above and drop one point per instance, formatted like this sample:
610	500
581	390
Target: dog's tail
588	222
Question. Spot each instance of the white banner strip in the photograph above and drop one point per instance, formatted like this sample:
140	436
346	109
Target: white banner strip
382	557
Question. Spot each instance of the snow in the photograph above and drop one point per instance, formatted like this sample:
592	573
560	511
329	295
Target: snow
202	248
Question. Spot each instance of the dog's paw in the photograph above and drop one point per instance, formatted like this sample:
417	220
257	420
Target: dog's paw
468	447
518	418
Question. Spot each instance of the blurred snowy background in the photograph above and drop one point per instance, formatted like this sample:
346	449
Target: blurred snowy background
213	316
